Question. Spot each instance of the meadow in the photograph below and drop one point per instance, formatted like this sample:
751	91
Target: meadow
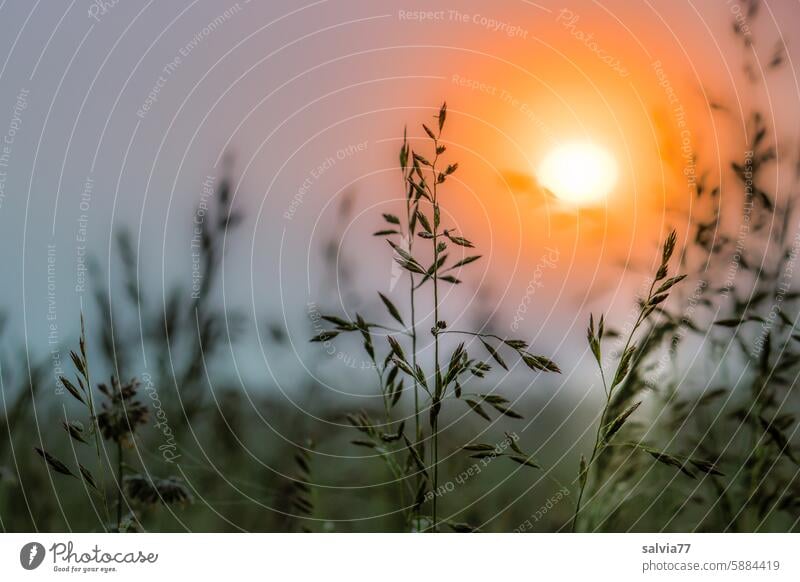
408	421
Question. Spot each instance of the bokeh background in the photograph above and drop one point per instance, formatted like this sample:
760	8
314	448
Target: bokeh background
274	128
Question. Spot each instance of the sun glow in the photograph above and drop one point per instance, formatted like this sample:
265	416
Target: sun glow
580	173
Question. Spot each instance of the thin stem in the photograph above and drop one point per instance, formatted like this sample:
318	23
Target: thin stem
417	429
412	294
585	479
100	464
437	375
120	495
598	445
95	424
393	467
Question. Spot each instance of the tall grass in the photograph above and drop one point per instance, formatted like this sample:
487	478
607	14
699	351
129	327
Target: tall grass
117	421
732	428
425	175
734	322
610	424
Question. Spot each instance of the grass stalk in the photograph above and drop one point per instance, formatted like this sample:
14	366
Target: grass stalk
412	304
654	298
120	494
423	177
95	425
437	372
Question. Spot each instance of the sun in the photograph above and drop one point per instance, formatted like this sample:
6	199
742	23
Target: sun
579	173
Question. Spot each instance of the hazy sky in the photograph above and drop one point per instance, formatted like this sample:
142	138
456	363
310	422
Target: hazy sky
117	115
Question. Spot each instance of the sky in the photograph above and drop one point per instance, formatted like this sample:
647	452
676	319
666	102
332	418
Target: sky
119	114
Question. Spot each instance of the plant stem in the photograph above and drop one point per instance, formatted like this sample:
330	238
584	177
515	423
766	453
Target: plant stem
437	376
95	424
412	293
598	446
595	449
417	430
120	496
